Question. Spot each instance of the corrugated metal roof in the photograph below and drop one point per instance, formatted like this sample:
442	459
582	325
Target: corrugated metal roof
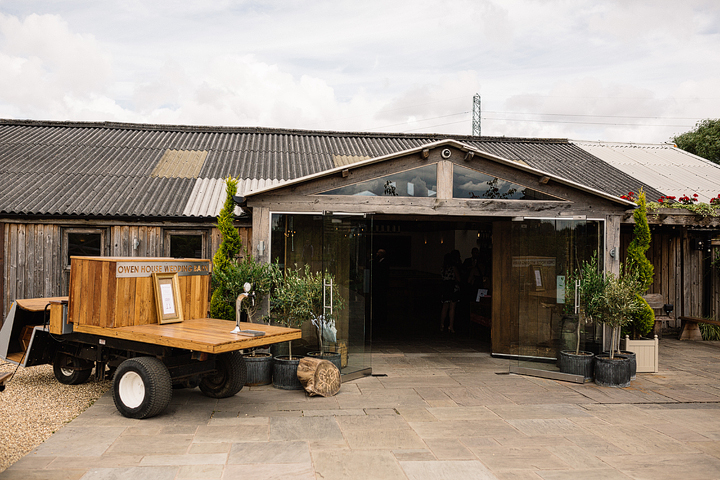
79	168
667	168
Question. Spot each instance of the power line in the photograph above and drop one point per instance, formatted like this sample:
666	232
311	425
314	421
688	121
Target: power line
590	115
586	123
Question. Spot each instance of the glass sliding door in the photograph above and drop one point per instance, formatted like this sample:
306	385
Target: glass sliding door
337	246
537	321
345	261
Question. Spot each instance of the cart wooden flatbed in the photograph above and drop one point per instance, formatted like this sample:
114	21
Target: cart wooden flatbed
207	335
114	322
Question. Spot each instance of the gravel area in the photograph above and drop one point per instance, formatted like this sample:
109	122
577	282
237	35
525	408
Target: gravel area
34	406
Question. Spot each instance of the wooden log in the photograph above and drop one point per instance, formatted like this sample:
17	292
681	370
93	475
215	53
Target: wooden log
318	376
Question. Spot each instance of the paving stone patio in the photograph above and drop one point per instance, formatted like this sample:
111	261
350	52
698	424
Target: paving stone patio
439	410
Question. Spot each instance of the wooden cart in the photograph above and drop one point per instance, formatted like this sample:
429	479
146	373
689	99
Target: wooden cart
141	320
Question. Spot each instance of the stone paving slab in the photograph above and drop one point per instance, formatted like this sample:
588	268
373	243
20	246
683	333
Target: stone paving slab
441	412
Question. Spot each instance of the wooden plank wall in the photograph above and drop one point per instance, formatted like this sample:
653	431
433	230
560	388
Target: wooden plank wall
678	271
33	266
32	263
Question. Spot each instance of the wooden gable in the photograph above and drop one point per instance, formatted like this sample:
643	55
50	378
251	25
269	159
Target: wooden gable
562	197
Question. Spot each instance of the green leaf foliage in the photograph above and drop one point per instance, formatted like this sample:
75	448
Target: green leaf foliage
299	297
643	320
230	248
590	287
703	140
231	244
709	331
636	259
228	284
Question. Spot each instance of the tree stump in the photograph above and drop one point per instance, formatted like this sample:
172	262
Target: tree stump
318	377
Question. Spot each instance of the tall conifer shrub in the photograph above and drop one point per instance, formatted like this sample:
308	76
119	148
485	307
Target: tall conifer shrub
230	248
643	319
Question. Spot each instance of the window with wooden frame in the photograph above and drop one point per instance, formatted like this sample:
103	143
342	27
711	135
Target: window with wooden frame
186	243
83	242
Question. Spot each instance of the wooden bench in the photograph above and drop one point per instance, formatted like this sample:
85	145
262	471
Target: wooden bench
657	303
691	329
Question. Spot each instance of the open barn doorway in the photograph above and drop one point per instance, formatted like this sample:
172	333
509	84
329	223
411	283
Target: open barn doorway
407	259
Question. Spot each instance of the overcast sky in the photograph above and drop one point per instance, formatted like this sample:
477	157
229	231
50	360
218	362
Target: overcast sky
631	71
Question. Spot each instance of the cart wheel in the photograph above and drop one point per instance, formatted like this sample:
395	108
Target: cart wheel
229	378
68	370
142	387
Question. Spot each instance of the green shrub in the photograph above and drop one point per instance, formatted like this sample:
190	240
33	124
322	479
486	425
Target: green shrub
636	259
642	322
229	281
710	332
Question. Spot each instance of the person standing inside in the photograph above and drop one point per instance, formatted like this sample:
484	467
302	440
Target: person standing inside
449	289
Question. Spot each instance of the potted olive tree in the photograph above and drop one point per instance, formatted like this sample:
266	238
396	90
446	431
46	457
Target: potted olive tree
585	285
325	305
616	304
229	282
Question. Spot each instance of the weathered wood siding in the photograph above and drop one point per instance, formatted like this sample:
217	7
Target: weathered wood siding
32	264
32	253
680	275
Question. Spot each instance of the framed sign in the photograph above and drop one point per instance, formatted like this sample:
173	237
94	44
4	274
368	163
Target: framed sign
167	297
538	278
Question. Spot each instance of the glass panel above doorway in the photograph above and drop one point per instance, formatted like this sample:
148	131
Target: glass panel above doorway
469	183
418	182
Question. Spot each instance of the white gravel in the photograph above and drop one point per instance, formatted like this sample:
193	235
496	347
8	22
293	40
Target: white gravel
35	405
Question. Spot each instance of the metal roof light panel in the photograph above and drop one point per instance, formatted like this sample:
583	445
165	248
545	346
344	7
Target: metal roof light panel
206	199
180	164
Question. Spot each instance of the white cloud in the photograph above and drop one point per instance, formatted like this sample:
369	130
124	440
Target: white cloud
375	65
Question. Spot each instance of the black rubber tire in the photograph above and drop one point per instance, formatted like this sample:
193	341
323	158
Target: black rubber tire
68	370
229	378
142	387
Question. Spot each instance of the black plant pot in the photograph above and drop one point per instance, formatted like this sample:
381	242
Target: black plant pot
259	369
581	364
333	357
633	361
612	373
285	373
